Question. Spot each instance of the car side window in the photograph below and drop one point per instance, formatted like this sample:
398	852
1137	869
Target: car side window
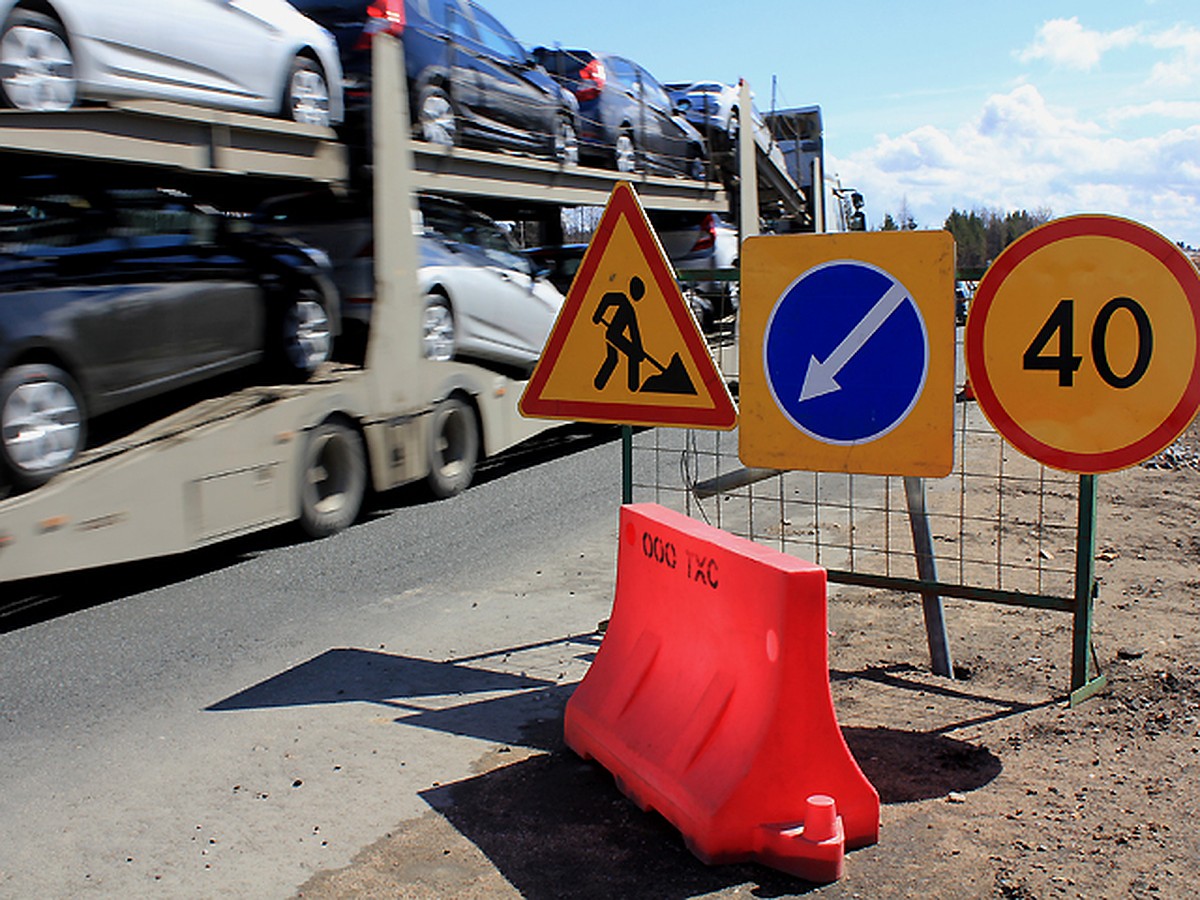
496	245
61	223
654	94
460	24
495	37
624	74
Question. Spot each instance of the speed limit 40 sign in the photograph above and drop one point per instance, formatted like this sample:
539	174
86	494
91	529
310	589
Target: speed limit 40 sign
1083	343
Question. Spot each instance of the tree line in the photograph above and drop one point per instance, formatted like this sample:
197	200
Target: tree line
980	234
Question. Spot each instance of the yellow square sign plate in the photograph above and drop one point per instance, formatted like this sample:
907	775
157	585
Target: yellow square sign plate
847	352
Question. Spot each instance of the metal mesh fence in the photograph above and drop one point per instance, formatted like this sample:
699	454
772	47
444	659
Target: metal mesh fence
999	522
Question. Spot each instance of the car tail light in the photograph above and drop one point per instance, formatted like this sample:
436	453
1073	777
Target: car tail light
594	73
383	17
708	235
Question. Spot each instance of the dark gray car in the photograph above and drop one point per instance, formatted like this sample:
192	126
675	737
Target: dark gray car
110	298
627	120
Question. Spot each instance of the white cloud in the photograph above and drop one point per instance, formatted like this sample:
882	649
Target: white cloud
1184	110
1019	153
1066	43
1183	69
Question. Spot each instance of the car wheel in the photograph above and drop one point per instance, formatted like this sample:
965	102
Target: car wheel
701	309
438	328
42	423
304	337
37	64
697	166
453	445
566	142
436	120
334	479
626	152
307	96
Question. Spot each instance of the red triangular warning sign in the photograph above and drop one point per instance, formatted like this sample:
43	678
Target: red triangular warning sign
625	349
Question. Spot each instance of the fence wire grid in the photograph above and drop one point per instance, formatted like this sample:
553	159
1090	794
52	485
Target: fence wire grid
999	522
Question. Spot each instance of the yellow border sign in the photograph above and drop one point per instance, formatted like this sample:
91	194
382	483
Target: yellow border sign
1082	343
847	353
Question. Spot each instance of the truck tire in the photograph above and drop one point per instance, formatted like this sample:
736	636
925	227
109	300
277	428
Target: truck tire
452	443
42	423
333	479
38	66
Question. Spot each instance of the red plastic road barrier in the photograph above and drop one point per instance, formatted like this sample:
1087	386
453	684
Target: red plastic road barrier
709	699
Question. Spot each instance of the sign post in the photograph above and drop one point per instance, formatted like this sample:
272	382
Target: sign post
625	348
1083	350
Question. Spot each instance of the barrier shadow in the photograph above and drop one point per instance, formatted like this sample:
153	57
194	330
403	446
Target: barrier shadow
557	828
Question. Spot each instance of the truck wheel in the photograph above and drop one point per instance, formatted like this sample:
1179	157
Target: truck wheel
306	94
42	423
453	445
303	335
37	65
334	479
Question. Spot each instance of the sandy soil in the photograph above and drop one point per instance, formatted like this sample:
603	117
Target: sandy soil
991	786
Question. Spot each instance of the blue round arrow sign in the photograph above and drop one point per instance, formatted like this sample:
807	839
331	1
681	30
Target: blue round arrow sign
846	352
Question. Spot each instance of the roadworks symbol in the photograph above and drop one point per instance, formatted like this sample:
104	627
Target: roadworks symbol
623	338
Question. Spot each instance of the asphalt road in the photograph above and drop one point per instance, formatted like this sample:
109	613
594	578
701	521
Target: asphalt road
233	721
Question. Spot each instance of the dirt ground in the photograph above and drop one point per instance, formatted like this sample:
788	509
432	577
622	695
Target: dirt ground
990	785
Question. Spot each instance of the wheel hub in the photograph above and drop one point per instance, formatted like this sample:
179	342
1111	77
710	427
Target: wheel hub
40	73
41	426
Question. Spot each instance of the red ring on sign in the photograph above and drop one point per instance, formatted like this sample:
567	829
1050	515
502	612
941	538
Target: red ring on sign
1143	238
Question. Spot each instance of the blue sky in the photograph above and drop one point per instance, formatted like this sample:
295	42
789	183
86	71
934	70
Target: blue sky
929	106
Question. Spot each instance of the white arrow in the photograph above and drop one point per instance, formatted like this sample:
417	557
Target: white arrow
819	380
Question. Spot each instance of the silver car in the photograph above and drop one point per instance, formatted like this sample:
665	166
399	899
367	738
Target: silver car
258	56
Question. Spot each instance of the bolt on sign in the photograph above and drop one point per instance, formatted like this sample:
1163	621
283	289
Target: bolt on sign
1082	343
625	348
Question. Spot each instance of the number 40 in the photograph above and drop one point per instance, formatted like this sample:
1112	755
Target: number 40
1066	362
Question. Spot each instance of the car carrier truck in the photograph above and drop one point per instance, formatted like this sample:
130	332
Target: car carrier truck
263	455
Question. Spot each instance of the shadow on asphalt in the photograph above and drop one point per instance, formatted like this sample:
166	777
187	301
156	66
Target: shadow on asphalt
556	826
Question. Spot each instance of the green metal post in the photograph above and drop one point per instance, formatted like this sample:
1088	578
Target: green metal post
626	463
1085	580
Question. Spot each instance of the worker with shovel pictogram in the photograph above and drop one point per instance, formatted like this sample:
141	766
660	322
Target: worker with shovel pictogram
622	336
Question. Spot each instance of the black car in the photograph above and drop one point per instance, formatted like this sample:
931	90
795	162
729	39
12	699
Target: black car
627	120
111	297
470	81
558	263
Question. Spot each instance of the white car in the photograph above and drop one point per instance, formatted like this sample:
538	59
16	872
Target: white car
259	56
484	299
